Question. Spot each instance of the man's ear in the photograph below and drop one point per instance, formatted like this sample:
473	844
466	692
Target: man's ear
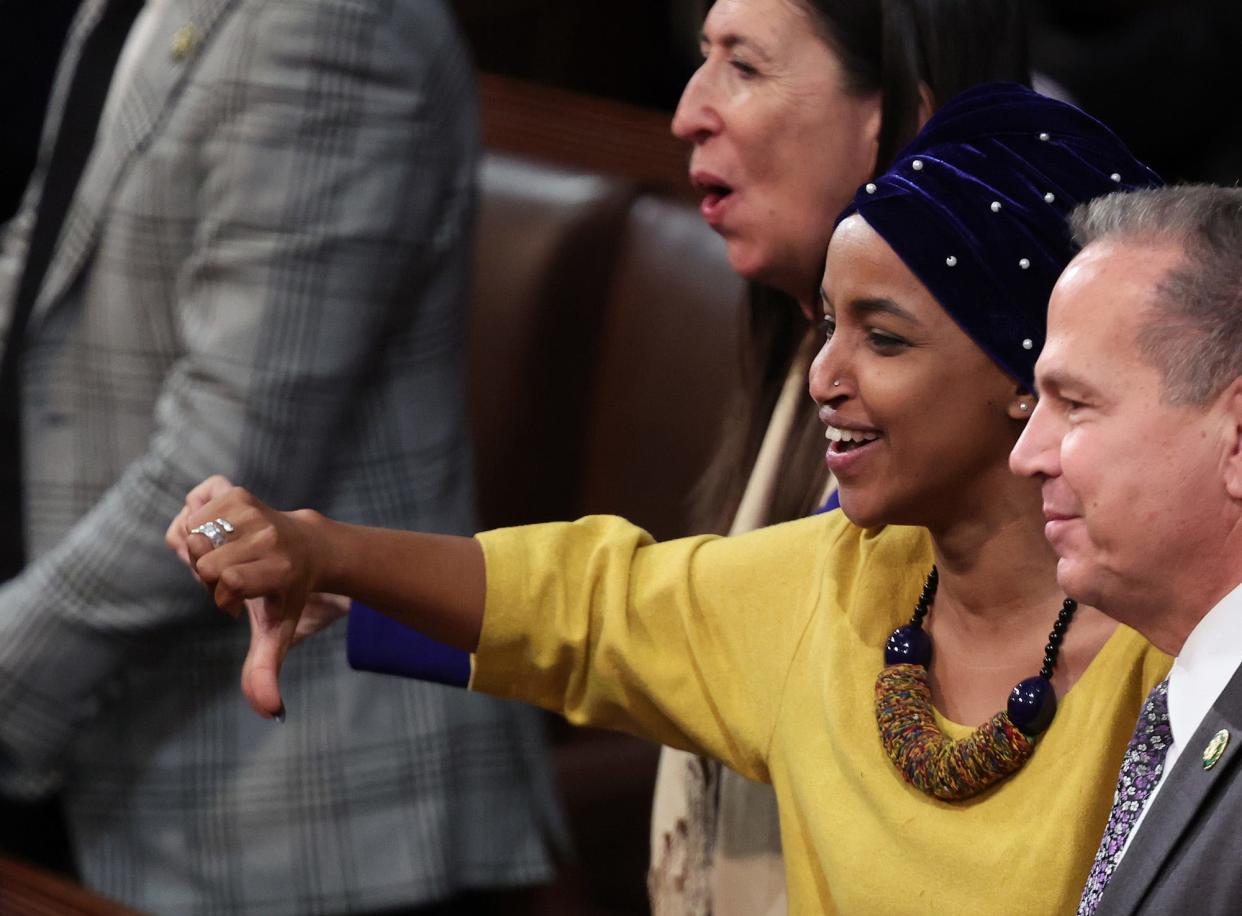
1021	405
1231	403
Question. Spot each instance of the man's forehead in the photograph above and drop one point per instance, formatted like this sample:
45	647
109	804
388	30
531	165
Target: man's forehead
1109	284
1139	263
1097	308
1061	364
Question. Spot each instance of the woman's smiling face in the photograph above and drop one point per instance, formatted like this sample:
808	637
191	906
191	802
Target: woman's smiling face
918	417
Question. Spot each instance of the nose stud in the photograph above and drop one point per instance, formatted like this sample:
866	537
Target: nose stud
836	383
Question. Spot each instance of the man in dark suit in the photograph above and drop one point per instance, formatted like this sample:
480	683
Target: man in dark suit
1138	439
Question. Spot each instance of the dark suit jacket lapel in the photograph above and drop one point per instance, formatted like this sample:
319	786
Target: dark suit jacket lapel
1184	794
156	81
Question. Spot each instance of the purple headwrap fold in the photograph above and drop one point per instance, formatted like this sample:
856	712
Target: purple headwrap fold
977	205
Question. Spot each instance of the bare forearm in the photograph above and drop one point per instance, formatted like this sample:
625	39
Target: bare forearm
434	583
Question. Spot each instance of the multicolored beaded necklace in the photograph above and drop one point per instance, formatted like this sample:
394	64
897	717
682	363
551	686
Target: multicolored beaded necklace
932	762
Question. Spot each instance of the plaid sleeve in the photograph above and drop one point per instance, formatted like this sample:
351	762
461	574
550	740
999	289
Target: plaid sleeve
337	170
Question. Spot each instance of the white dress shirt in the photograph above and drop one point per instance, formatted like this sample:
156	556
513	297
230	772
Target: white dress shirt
1209	658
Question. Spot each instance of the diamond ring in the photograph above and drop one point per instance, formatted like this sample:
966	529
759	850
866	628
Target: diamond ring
217	532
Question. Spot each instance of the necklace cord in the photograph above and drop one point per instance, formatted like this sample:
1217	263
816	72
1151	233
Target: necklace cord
956	769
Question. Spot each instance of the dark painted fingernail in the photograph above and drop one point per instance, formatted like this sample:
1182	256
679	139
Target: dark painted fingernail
280	714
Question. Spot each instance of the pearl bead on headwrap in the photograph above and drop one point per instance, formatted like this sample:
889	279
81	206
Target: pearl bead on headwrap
976	207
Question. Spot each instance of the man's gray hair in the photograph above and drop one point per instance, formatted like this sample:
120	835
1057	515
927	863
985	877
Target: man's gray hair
1194	336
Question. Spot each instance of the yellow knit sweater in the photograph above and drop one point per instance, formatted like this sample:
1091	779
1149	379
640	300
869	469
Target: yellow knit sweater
762	650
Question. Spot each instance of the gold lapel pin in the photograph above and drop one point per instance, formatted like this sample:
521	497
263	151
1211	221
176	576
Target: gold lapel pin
1215	749
183	42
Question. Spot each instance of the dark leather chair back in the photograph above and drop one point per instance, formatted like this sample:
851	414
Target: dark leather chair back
546	248
668	369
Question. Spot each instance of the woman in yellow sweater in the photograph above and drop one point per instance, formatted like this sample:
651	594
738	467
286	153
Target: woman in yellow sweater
801	654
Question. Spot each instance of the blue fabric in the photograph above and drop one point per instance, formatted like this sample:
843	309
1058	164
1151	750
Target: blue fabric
977	205
378	643
832	502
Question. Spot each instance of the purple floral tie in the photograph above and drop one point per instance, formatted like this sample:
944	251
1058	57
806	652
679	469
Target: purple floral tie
1140	772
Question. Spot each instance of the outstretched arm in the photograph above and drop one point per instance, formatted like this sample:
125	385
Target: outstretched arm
688	643
275	559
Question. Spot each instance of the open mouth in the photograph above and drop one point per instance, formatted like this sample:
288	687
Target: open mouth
842	441
715	192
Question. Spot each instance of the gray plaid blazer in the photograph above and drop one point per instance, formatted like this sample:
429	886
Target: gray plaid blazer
262	274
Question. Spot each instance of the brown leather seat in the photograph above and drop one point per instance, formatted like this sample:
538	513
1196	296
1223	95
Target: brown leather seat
668	367
546	248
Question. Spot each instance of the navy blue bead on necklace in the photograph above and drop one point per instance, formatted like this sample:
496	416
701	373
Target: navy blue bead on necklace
949	769
1032	703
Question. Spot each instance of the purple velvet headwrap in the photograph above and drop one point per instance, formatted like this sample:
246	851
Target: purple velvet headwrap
977	205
